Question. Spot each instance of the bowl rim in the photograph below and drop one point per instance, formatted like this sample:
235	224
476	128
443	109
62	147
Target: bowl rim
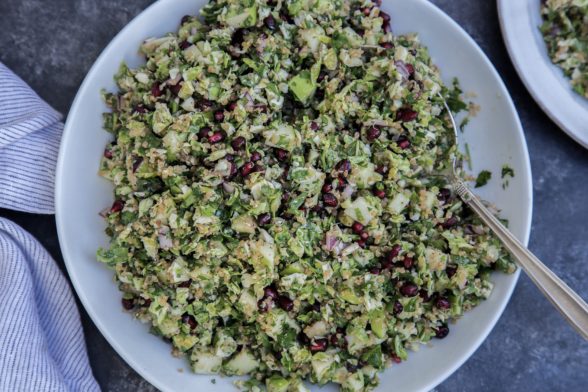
125	355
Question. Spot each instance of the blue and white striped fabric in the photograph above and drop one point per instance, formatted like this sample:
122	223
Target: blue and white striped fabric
42	346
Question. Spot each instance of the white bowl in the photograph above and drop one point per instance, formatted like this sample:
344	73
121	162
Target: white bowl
520	21
495	137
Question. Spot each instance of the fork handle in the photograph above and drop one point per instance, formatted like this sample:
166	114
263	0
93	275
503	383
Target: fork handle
569	304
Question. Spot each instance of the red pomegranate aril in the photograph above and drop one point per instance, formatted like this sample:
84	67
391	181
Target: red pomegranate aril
281	155
203	133
375	270
357	227
156	90
270	22
219	116
444	195
406	115
442	303
319	345
397	308
409	289
373	133
364	235
387	45
410	69
285	303
238	143
232	106
330	200
216	137
379	193
384	16
441	332
449	223
366	11
395	251
341	181
117	206
381	169
264	219
270	292
190	320
128	303
407	262
255	156
450	270
362	244
327	188
140	108
314	126
247	168
107	154
185	45
343	166
186	19
424	294
175	89
403	142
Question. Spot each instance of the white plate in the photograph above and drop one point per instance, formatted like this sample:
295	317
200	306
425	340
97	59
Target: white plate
520	21
495	137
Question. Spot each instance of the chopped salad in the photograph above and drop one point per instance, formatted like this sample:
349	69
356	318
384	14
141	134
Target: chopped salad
565	31
281	206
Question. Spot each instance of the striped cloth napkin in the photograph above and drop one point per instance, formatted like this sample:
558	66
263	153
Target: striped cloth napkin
42	345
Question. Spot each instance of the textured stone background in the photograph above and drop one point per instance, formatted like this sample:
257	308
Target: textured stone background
52	44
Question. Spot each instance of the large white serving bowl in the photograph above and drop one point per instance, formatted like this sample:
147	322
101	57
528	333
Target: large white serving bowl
495	137
520	21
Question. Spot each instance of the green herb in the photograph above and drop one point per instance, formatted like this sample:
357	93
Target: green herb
483	178
507	174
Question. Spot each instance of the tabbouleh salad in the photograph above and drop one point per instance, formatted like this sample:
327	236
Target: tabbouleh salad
565	30
280	205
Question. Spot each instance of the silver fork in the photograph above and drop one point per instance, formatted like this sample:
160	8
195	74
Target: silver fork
565	300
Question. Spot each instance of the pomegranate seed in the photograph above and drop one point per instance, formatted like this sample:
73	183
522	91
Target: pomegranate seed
203	133
395	358
156	90
364	235
255	156
357	227
450	270
128	303
314	126
238	143
205	104
281	155
444	195
387	45
403	142
330	200
219	116
185	45
190	320
361	244
117	206
270	22
175	89
373	133
409	289
441	332
343	166
327	187
232	106
140	108
394	252
379	193
410	69
397	308
319	345
381	169
317	209
407	262
107	154
449	223
146	302
375	270
264	219
285	303
186	19
351	368
216	137
247	168
424	294
442	303
384	16
406	115
341	181
366	11
270	292
185	284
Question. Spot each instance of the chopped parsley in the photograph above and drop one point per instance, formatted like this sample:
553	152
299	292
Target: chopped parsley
483	178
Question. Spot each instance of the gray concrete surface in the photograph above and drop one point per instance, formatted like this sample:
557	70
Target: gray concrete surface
52	44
